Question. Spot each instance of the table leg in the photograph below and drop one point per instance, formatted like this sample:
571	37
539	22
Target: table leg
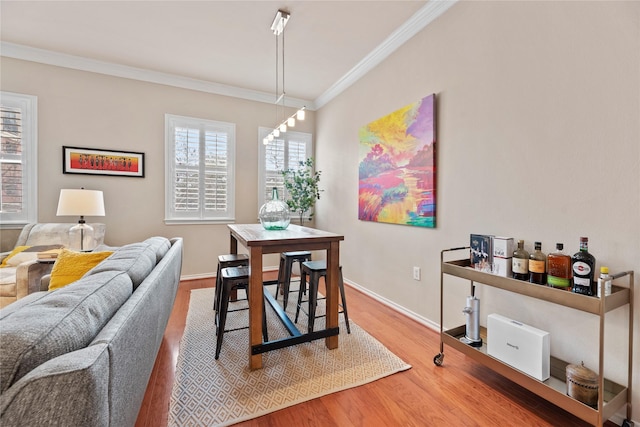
233	245
255	305
333	258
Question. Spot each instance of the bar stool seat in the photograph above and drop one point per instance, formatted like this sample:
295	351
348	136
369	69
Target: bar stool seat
287	259
315	270
224	261
233	278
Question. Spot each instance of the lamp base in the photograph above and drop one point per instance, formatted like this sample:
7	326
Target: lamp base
81	238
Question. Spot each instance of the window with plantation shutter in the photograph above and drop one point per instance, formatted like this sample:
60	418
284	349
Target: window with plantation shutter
18	159
284	152
200	170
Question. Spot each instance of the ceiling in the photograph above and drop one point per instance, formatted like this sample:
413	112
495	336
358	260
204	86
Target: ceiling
228	44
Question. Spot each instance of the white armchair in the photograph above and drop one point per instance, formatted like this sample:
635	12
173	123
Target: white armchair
20	280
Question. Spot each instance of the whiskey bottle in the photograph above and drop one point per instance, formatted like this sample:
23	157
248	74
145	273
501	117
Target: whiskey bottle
559	269
520	262
583	265
538	266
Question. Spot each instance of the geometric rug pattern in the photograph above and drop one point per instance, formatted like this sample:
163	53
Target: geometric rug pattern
209	392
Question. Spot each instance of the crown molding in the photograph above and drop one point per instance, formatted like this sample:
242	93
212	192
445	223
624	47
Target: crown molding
27	53
423	17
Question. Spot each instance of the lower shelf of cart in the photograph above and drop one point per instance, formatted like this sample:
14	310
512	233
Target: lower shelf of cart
553	389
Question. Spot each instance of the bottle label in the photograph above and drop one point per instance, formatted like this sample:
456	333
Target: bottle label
581	268
582	281
520	265
558	282
604	285
536	266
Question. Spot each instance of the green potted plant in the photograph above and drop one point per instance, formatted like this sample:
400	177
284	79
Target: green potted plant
301	184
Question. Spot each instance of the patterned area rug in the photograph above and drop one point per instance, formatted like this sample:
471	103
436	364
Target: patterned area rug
209	392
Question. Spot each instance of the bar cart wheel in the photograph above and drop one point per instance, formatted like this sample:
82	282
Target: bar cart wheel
438	359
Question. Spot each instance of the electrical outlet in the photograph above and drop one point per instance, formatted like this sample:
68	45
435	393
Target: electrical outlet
416	273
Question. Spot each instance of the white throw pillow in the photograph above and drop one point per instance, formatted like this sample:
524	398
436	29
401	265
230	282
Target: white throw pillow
21	257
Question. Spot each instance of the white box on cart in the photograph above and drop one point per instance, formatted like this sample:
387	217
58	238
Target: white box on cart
521	346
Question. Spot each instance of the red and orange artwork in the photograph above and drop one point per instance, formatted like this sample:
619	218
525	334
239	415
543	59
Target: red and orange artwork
397	171
102	162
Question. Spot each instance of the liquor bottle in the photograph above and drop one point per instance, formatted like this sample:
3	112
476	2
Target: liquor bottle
538	266
583	265
520	263
604	282
559	268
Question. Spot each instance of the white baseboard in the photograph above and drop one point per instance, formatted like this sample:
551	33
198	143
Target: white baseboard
400	309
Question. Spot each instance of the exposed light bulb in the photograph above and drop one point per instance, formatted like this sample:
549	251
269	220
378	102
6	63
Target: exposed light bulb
291	122
270	137
283	127
276	132
300	114
265	141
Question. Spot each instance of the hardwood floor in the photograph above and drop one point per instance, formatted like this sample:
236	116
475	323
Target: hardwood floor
461	392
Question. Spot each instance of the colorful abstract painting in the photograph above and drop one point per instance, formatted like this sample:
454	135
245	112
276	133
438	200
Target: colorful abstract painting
397	174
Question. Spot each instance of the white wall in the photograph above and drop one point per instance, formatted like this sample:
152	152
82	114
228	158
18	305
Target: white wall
84	109
538	129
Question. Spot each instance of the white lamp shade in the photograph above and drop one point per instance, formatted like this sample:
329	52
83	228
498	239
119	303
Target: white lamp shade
80	203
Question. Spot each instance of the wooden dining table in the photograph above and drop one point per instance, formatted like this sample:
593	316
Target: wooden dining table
259	241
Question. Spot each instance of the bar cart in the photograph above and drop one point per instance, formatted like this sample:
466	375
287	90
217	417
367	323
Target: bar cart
554	389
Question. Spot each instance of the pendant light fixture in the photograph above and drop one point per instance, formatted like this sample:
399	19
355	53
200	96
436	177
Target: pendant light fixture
278	26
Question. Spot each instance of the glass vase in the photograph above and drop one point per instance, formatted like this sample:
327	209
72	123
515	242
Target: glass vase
274	215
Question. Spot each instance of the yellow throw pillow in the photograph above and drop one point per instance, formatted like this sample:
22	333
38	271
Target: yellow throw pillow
13	253
71	266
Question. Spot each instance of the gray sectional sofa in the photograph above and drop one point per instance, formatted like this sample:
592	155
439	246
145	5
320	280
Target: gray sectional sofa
82	355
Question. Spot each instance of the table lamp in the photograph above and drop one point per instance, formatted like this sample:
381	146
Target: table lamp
83	203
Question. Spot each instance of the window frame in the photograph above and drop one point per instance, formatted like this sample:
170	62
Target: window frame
29	159
305	137
201	217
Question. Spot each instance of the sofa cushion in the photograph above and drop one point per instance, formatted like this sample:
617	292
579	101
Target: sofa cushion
71	266
135	259
160	245
60	322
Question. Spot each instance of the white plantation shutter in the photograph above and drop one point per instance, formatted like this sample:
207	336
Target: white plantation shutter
284	152
200	170
18	159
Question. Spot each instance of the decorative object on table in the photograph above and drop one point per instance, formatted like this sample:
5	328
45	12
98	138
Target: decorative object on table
274	215
522	346
481	252
290	375
278	25
583	265
81	203
520	262
397	172
301	184
582	384
559	268
91	161
472	325
503	248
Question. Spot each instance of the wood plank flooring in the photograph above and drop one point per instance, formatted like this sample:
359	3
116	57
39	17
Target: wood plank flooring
461	392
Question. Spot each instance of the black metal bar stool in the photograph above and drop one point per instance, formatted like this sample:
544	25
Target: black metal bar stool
284	272
233	278
315	270
224	261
